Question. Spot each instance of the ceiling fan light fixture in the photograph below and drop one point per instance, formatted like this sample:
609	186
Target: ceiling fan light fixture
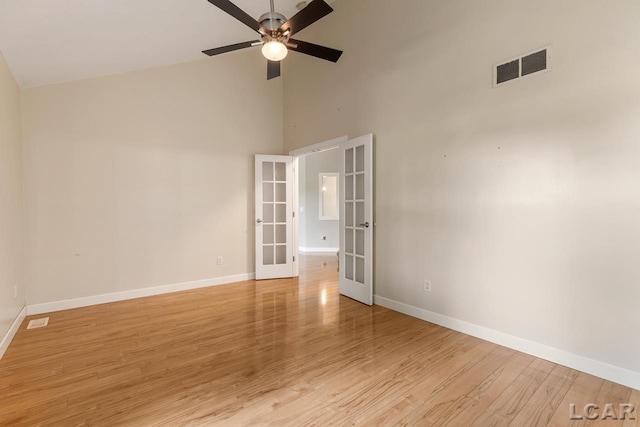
274	51
275	32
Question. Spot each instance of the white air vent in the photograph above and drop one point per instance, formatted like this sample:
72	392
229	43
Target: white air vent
38	323
534	62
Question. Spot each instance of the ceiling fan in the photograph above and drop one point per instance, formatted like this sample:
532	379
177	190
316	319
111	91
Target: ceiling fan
275	34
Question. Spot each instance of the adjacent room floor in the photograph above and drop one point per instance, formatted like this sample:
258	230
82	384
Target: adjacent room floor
281	352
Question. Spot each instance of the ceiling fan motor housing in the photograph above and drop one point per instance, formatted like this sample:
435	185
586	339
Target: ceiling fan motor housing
272	20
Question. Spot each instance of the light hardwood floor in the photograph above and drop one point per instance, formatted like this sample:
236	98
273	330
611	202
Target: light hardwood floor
282	352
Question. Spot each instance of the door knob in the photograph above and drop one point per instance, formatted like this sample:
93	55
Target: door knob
259	221
365	225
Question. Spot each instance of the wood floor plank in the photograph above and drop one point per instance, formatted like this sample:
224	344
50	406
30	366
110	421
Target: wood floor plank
610	394
634	419
545	401
331	392
277	352
584	390
514	397
471	406
434	381
435	409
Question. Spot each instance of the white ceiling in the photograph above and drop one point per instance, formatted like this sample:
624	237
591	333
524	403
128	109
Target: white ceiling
51	41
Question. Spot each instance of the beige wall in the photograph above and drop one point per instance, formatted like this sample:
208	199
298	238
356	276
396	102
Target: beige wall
520	203
11	202
143	179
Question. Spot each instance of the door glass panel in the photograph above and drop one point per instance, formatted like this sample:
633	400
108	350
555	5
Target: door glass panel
281	254
360	158
359	213
360	186
267	171
348	187
267	234
348	267
360	270
281	234
267	213
348	214
267	255
281	192
281	171
360	242
348	241
267	192
348	161
281	213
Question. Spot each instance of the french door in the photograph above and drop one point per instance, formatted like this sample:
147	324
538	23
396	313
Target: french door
356	219
274	216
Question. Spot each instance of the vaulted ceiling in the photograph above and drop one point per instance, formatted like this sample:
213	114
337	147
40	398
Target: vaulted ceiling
48	41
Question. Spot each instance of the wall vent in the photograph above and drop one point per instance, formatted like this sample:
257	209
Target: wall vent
525	65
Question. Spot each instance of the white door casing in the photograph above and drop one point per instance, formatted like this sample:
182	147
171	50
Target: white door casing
356	219
274	216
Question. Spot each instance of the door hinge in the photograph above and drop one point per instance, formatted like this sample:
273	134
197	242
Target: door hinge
294	214
294	259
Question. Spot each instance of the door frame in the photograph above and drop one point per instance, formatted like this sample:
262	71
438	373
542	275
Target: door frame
296	154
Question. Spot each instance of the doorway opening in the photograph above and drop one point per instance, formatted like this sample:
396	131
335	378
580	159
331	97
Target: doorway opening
318	197
352	183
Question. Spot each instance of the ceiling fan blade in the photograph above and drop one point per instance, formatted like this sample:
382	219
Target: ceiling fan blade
321	52
316	10
238	13
273	69
230	48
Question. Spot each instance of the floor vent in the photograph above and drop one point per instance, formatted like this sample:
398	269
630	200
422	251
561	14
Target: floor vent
38	323
522	66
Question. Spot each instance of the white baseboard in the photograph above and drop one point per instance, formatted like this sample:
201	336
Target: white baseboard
318	250
135	293
6	340
590	366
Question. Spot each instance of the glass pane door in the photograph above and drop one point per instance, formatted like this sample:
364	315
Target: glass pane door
273	216
356	278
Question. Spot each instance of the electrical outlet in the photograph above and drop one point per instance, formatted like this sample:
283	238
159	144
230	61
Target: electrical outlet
219	260
427	285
